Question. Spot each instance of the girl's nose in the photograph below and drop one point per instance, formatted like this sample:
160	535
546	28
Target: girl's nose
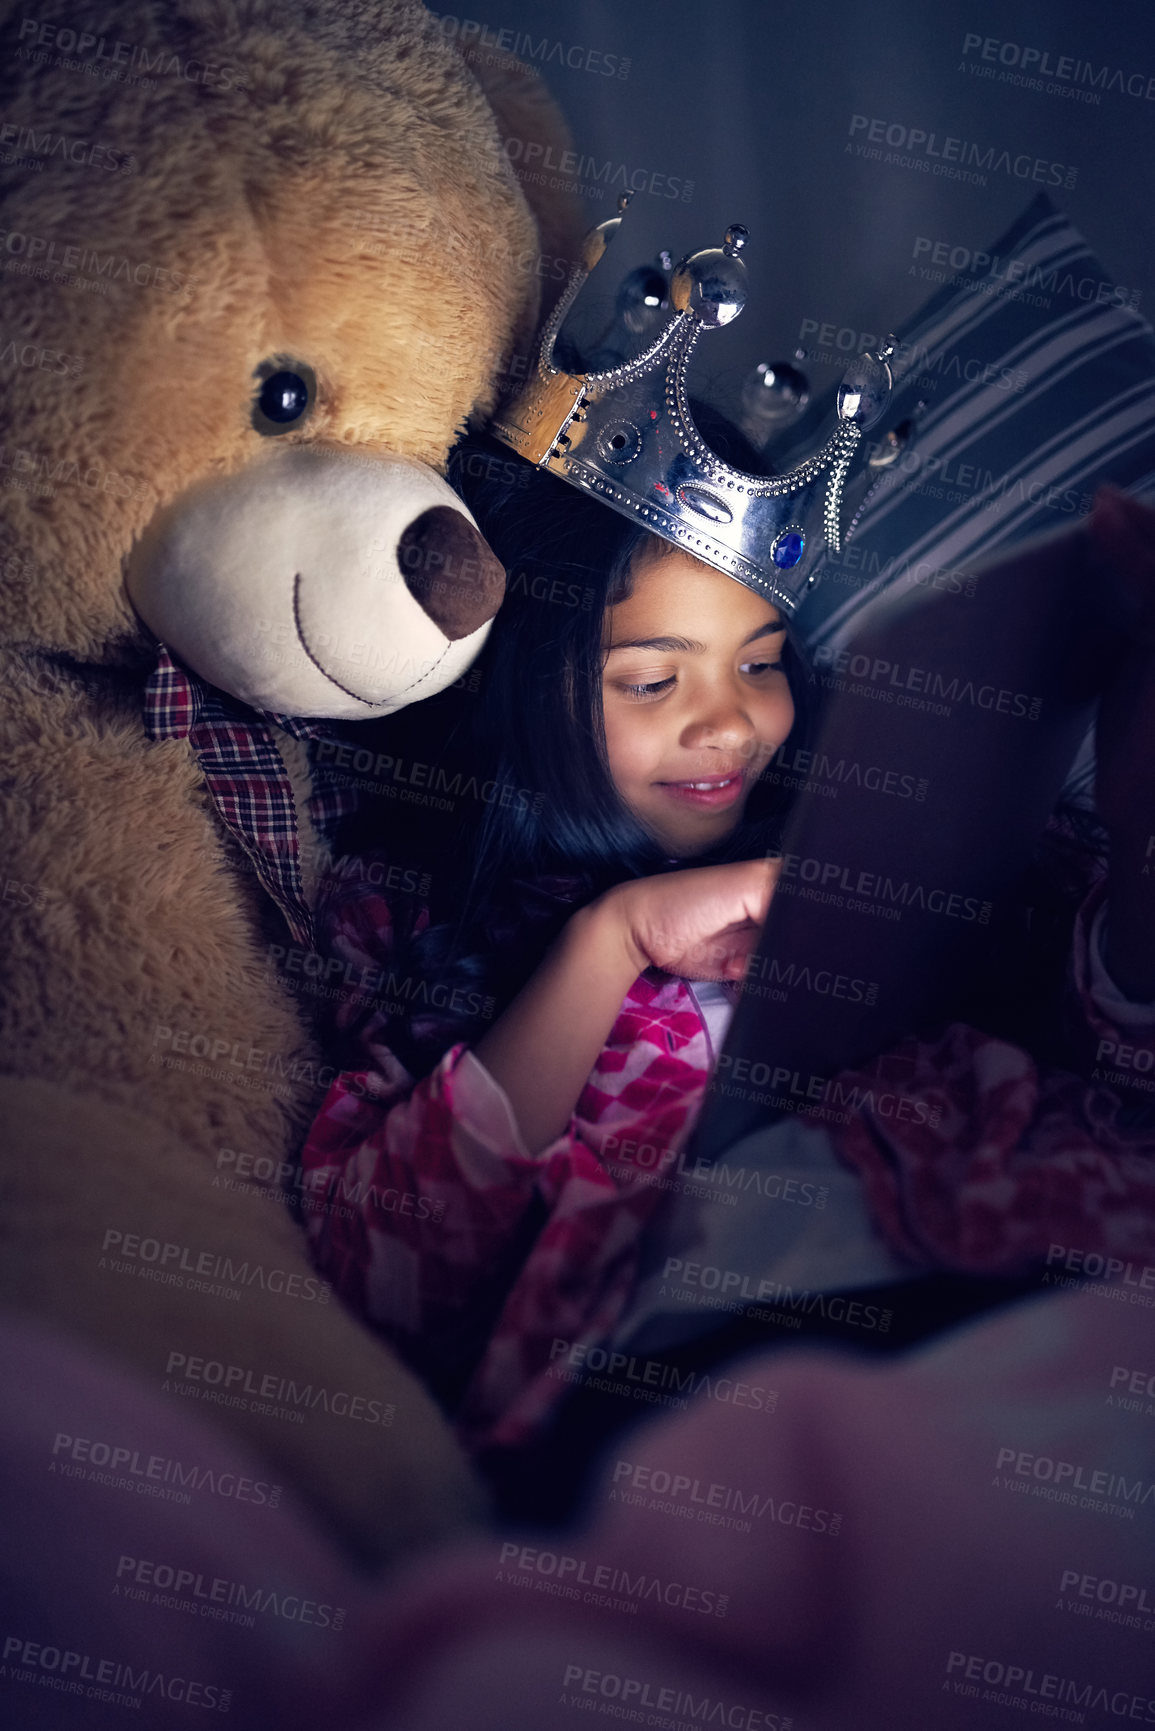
723	725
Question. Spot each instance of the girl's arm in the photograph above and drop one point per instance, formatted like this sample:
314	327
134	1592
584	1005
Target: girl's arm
418	1200
415	1207
542	1050
702	923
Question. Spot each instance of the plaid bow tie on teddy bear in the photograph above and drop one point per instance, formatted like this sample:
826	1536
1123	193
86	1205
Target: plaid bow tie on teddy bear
246	778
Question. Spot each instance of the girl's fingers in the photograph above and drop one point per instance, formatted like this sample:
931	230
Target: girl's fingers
744	948
703	922
753	882
724	956
770	870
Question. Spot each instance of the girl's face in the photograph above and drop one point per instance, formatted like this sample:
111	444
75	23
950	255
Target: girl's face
695	699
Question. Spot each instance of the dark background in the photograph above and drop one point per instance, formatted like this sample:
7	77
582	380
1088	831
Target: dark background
752	100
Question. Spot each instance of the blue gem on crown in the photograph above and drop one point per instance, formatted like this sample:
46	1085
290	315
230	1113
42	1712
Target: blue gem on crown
788	549
627	435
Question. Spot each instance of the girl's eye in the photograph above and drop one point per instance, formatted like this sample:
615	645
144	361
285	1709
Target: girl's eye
758	668
654	689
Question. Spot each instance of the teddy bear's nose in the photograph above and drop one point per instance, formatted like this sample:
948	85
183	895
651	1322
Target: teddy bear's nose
448	568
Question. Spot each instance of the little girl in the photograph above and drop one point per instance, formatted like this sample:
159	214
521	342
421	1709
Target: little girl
471	1184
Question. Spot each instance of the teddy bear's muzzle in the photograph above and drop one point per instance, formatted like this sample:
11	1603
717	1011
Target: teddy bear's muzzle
319	582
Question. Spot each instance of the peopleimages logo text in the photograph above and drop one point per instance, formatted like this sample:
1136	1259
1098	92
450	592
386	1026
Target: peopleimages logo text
477	39
568	1573
216	1596
1020	273
154	1475
580	1684
1024	1687
118	1682
961	153
107	54
1063	68
530	156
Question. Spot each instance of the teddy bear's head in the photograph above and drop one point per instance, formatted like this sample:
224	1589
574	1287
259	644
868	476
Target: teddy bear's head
259	262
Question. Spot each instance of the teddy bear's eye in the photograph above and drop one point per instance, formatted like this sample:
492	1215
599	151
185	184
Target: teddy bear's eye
285	393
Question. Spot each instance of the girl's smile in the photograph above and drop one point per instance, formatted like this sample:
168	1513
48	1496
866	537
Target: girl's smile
695	698
716	794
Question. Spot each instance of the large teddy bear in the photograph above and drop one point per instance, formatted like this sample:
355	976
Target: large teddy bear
259	262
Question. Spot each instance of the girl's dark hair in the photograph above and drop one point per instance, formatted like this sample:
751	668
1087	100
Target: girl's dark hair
544	828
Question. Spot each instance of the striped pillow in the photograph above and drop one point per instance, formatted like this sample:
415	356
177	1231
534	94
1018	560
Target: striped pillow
1039	383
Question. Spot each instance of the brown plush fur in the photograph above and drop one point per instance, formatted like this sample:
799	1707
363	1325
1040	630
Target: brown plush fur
349	206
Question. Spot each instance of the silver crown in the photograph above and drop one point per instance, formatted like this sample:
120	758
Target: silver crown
627	435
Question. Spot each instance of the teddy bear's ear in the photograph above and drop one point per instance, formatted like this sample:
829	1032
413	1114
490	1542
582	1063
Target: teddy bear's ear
527	114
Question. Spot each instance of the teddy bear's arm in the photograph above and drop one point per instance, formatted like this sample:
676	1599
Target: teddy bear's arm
114	1232
122	1219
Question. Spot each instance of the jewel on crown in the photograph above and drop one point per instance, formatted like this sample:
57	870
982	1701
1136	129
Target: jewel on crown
628	436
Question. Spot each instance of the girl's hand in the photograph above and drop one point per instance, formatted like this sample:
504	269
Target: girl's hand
702	923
